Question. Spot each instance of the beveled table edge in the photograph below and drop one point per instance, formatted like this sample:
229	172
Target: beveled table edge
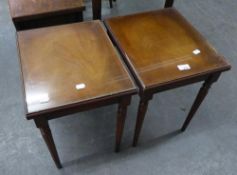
123	54
82	105
194	78
135	74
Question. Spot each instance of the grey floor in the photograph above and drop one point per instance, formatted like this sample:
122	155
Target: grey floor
85	141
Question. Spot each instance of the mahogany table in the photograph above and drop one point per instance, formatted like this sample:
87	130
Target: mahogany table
163	51
68	69
27	14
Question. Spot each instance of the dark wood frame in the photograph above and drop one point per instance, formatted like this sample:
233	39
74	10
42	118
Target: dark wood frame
41	118
37	21
146	94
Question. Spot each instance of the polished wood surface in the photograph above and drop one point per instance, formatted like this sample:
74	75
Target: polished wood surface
69	69
163	51
25	9
70	64
155	43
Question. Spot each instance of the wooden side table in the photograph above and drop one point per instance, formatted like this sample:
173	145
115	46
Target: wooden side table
27	14
71	68
164	51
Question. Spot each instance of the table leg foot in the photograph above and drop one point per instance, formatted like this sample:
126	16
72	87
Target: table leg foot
43	125
199	99
121	117
142	109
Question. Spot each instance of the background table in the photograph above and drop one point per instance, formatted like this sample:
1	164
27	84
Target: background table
96	7
27	14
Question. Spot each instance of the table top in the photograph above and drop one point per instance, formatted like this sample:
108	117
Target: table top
21	9
70	64
162	47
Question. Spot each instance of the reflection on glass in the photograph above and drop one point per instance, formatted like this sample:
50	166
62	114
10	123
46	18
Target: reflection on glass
196	52
37	98
183	67
80	86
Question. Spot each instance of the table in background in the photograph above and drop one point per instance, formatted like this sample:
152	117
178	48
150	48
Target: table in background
27	14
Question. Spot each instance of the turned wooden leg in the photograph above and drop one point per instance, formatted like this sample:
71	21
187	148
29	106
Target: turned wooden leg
121	116
169	3
199	99
96	7
142	109
43	125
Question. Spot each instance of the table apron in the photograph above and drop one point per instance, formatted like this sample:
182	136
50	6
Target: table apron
180	83
63	111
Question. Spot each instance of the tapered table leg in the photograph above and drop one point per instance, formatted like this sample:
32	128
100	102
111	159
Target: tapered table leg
121	117
142	109
96	7
43	125
199	99
111	3
169	3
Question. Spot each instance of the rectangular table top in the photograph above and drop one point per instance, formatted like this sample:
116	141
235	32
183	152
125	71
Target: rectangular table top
24	9
162	46
70	64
